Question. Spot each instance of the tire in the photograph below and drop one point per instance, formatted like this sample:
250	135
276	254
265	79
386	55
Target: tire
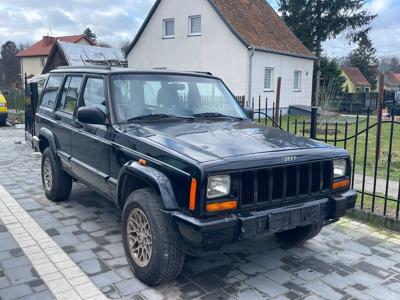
299	235
59	187
165	259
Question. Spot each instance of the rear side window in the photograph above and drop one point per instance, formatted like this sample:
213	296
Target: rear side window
94	93
51	91
70	94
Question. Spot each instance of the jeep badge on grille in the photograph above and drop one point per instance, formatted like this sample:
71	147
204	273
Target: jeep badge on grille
290	158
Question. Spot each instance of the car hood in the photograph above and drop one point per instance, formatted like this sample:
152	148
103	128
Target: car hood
207	141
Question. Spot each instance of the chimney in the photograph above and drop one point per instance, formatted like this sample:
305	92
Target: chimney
48	40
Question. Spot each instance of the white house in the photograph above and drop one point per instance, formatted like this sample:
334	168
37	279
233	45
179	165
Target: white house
244	42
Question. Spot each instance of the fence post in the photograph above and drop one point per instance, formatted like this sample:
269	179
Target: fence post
278	101
379	115
314	117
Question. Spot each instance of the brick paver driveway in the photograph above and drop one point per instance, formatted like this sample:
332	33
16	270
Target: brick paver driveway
348	260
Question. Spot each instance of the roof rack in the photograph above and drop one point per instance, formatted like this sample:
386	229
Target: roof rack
85	67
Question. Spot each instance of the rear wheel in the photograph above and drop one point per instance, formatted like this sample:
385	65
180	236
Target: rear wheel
149	241
299	235
57	184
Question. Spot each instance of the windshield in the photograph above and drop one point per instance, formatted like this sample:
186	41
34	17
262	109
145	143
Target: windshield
137	96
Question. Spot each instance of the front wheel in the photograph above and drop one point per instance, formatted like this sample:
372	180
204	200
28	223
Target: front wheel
149	240
299	235
57	184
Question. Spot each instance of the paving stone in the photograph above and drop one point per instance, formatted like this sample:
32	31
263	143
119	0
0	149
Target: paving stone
15	262
323	290
280	276
131	286
106	279
16	291
94	267
208	281
267	286
44	295
373	270
21	274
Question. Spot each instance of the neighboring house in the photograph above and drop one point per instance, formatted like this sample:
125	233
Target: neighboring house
244	42
75	55
392	81
355	81
34	58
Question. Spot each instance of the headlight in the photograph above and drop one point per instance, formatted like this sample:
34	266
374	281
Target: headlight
339	168
218	186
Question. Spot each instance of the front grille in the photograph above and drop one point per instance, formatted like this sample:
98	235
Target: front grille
285	182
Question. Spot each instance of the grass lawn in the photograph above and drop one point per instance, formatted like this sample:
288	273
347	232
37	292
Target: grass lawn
369	160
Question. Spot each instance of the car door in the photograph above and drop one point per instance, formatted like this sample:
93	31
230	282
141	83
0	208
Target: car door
63	115
90	143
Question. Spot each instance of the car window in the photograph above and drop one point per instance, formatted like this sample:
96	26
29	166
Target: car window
94	93
70	94
51	91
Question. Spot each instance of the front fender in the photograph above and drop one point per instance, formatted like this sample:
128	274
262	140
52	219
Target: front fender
152	177
49	136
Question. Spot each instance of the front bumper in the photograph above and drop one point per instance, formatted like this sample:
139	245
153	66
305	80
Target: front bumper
200	236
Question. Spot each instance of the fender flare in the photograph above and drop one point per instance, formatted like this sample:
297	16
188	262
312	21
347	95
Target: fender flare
49	136
150	176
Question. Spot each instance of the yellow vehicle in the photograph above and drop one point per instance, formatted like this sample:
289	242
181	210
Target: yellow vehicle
3	110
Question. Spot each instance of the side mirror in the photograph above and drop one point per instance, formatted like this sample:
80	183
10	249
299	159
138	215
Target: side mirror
249	113
92	115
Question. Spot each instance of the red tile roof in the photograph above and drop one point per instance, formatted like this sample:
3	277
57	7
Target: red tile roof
256	22
356	77
43	47
392	79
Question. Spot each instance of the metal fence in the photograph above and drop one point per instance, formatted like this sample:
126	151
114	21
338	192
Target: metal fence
373	142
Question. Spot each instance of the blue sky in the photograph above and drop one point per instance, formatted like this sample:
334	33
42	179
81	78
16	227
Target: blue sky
117	21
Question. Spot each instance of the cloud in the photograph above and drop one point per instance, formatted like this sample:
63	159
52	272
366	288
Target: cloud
113	21
119	20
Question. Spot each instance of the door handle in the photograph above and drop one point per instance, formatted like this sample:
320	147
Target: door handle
57	118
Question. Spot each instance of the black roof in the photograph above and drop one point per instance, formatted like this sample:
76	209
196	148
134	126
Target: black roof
117	70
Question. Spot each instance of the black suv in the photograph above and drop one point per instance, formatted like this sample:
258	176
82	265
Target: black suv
186	164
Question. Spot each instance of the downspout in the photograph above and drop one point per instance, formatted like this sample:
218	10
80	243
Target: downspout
250	87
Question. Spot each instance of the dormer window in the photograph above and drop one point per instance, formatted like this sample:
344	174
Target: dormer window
168	28
195	25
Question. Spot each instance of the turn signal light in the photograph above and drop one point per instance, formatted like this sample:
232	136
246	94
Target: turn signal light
192	200
341	184
222	206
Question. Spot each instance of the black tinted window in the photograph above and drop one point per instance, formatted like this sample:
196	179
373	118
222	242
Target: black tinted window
94	93
50	93
70	94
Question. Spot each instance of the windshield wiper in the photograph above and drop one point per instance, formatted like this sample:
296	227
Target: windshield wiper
159	117
215	115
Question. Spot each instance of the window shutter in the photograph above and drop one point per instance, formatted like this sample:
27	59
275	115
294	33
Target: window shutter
268	79
195	24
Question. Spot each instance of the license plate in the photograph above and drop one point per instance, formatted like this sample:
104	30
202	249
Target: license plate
294	218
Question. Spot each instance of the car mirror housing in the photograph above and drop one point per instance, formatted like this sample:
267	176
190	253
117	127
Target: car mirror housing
92	115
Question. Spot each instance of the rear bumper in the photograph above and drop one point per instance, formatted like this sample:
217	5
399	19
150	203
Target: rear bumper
200	236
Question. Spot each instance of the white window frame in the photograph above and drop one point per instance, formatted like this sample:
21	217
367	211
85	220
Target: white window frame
271	79
298	88
190	25
165	21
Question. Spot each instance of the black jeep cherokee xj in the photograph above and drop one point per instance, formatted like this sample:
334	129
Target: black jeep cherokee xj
186	164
